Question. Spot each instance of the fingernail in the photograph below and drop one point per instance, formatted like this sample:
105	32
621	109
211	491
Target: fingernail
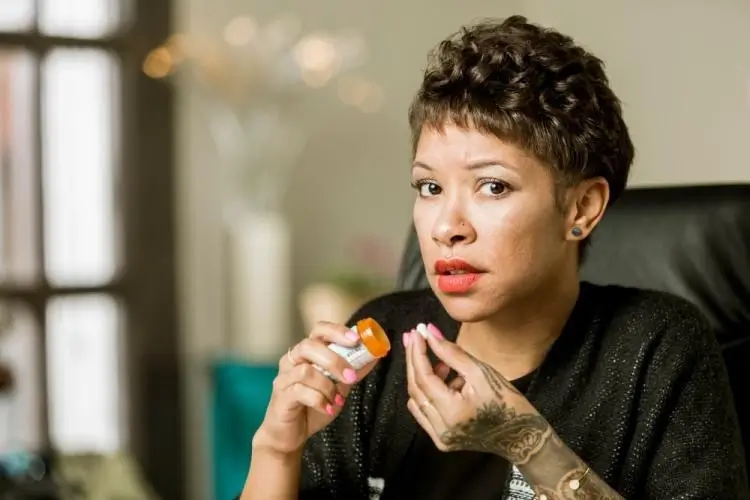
352	335
330	410
406	339
339	400
435	332
350	375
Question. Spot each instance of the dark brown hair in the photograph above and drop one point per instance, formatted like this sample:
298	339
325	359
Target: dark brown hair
533	87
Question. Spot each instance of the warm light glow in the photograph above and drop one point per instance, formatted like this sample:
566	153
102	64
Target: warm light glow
360	93
317	78
317	54
179	48
158	63
240	31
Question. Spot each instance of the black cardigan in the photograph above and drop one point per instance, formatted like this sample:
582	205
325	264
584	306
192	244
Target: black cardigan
635	385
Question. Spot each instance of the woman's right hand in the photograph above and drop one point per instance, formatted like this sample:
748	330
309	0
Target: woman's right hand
304	400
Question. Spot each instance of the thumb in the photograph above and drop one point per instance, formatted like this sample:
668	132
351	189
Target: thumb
448	352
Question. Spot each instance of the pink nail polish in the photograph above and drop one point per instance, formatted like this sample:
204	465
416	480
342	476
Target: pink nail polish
406	339
435	332
330	410
352	335
350	375
339	400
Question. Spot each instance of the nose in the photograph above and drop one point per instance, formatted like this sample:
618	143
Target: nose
452	227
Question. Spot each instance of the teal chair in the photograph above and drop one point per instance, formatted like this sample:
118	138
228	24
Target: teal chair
240	394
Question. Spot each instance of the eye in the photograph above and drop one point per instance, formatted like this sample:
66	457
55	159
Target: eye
427	189
493	188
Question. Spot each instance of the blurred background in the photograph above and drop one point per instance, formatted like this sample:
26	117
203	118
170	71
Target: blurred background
185	186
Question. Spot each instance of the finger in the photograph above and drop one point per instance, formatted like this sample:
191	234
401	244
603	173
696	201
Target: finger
315	352
449	353
334	333
442	371
311	398
311	377
423	399
425	423
411	385
457	384
428	382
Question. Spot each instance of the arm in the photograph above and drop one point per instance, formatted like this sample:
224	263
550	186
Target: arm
303	451
272	476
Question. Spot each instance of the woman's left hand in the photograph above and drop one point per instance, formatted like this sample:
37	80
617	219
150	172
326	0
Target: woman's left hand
479	410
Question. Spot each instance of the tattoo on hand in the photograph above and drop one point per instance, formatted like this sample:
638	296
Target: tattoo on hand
528	441
497	427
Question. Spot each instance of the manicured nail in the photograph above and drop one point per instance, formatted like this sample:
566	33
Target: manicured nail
330	410
435	332
352	335
406	339
339	400
350	375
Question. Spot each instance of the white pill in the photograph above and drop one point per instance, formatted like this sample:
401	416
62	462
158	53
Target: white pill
422	329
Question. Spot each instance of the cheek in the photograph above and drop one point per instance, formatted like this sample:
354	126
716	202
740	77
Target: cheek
423	223
522	236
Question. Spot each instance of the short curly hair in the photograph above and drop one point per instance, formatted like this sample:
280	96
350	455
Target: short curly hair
533	87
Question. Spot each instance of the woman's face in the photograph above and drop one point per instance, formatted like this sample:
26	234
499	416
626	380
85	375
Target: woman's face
489	229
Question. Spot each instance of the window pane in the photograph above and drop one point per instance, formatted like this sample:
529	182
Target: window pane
79	106
18	204
80	18
16	15
20	403
85	382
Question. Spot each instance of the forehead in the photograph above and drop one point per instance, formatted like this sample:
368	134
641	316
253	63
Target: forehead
453	146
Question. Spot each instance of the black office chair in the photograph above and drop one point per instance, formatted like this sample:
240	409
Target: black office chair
691	241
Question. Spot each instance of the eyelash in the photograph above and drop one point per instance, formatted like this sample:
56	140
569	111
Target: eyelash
417	185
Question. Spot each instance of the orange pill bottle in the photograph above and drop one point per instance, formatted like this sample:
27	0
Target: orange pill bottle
373	344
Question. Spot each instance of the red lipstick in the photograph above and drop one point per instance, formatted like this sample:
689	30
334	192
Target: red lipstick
456	275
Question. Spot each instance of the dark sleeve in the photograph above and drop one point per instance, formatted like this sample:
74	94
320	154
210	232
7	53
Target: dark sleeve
335	462
687	405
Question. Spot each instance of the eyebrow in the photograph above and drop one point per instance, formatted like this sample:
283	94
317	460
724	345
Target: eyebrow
478	165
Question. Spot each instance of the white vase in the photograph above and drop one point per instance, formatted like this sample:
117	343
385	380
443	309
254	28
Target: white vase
259	275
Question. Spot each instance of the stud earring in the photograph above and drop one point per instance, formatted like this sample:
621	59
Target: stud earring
576	231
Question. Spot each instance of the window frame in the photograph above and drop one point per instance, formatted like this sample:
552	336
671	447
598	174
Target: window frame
146	285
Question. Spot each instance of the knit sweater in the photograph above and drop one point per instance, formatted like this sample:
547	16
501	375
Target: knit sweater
635	385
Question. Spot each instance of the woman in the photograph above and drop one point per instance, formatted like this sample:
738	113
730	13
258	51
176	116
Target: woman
530	384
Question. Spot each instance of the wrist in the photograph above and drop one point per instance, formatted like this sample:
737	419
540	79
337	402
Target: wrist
266	445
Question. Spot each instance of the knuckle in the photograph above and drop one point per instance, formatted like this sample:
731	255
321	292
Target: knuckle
411	388
319	328
304	371
275	385
319	399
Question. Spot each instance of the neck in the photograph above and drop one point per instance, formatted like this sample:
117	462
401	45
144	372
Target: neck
516	340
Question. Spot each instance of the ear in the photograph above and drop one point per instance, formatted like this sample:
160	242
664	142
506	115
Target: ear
587	204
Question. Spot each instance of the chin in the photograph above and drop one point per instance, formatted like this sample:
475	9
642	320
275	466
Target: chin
467	308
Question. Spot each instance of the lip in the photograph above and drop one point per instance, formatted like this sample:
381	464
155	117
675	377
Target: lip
456	283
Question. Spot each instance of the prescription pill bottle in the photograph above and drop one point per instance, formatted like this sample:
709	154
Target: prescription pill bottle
373	344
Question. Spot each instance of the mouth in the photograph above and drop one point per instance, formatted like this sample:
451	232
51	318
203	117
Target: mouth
456	276
454	267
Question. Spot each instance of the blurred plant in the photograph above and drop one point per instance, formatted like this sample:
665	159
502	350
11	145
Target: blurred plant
250	80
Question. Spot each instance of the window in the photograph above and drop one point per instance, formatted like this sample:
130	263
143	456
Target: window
87	307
